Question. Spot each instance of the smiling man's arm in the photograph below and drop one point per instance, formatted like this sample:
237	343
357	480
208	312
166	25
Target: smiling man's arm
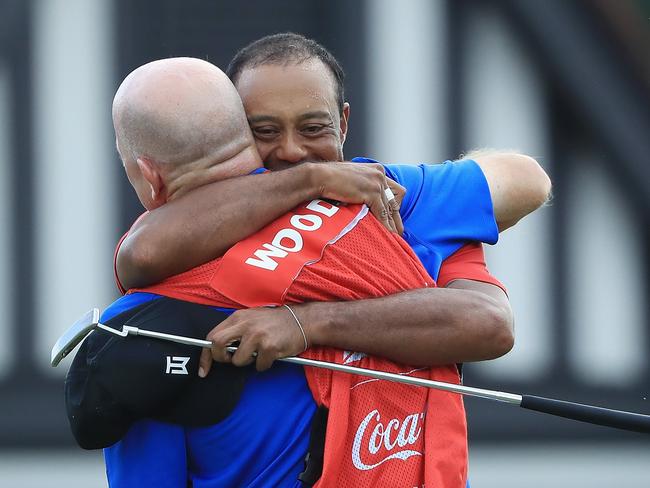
203	224
468	321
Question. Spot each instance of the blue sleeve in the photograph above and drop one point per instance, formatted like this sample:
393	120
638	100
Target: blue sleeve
445	206
450	201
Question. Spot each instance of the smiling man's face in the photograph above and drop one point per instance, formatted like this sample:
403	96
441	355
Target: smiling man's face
293	113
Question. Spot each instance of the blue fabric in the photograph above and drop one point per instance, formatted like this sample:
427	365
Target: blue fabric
151	454
132	300
264	441
445	206
126	302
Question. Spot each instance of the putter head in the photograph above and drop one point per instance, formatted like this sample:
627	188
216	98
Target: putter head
74	335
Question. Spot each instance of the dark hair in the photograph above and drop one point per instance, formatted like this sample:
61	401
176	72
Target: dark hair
283	49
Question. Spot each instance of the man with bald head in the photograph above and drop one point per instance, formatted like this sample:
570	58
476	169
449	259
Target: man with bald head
185	130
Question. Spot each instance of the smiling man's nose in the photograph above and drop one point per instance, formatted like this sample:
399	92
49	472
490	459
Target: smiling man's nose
291	150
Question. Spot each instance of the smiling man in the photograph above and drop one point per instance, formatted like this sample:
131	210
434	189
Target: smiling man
293	123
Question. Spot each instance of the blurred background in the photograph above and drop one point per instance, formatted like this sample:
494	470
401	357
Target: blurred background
566	81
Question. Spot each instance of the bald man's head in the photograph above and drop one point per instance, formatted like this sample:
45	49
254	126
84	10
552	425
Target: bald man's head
184	114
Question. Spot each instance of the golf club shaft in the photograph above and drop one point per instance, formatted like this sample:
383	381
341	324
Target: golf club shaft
409	380
575	411
381	375
584	413
190	341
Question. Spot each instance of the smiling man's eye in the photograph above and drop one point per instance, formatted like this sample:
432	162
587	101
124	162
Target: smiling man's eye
313	129
265	131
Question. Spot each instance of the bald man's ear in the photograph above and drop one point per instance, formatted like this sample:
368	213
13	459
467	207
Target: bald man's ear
345	116
151	174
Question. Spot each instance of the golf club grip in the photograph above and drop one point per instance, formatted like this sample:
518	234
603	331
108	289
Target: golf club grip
635	422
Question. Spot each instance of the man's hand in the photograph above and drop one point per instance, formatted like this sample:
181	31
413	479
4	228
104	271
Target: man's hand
362	183
272	333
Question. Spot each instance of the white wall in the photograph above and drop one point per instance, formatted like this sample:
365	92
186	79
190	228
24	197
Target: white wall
406	81
76	204
506	109
7	294
607	285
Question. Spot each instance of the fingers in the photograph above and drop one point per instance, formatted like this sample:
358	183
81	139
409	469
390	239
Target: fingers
386	199
205	362
395	203
395	215
264	362
246	330
245	353
352	182
380	211
262	335
398	191
221	337
377	196
387	216
376	166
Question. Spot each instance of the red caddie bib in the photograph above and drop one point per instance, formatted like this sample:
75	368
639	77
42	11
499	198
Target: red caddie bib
378	433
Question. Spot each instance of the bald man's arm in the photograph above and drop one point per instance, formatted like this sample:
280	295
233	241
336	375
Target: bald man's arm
518	184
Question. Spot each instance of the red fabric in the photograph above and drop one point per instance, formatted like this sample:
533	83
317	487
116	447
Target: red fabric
468	263
278	256
381	433
193	286
349	264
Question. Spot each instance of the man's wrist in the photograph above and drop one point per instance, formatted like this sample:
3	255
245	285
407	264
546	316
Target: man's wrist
314	175
316	319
